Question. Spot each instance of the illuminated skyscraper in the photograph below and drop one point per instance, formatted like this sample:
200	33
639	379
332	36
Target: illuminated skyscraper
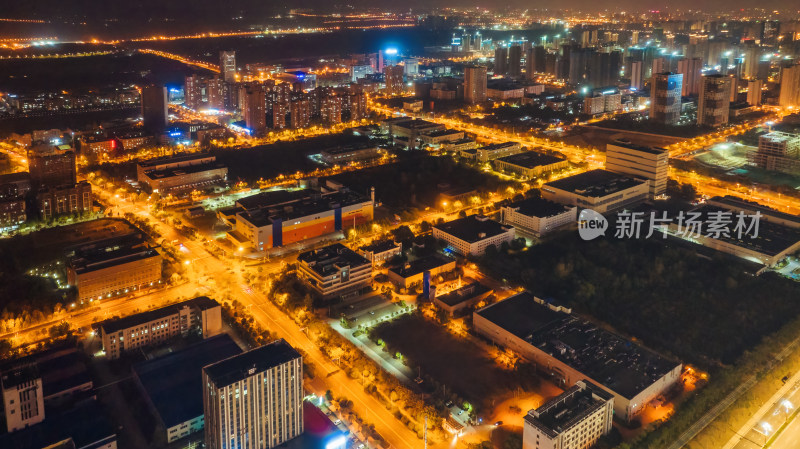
299	113
255	103
279	110
330	109
475	84
227	66
393	75
154	108
665	98
714	104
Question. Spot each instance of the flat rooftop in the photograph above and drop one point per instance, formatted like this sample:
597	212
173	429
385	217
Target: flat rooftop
201	302
444	132
88	424
184	170
741	204
567	409
473	228
772	238
539	207
641	148
263	209
174	382
239	367
498	146
778	137
350	149
328	260
417	124
619	364
380	246
464	293
531	159
421	265
595	183
101	260
174	159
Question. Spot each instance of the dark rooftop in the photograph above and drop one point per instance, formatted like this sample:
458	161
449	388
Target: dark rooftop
380	246
174	159
771	240
420	265
618	364
260	359
185	169
174	382
19	375
464	293
262	209
645	149
325	260
201	302
473	228
741	204
567	409
88	425
595	183
539	207
100	260
531	159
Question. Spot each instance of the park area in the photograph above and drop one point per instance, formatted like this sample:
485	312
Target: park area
462	365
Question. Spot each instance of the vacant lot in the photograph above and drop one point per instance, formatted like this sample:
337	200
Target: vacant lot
459	364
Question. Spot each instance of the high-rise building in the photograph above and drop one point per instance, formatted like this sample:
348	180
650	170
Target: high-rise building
299	113
51	165
154	108
227	66
279	111
330	109
751	60
665	98
642	162
659	66
500	60
53	200
393	77
475	84
23	397
254	400
754	92
790	86
515	61
202	92
713	106
636	75
690	69
575	419
778	151
255	104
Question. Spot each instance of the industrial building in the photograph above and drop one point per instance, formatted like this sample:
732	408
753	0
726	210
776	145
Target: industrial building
256	396
599	190
101	273
530	164
575	419
639	161
347	154
538	216
334	271
470	236
571	349
201	315
176	174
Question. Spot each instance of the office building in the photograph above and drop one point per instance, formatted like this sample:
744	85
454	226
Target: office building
571	349
530	164
414	272
180	173
439	137
113	271
754	88
475	84
200	315
538	216
344	155
254	400
462	298
665	98
790	86
492	151
650	163
575	419
690	68
227	66
515	61
500	60
277	218
64	199
23	397
470	236
714	103
600	190
393	77
154	108
380	251
334	271
778	151
172	385
51	165
86	426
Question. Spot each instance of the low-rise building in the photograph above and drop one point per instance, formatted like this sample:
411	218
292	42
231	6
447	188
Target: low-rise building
599	190
379	251
12	213
439	137
101	274
538	216
53	201
462	298
86	426
492	151
571	349
575	419
334	271
736	204
459	145
777	151
23	396
470	236
352	153
413	272
530	164
202	315
172	385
